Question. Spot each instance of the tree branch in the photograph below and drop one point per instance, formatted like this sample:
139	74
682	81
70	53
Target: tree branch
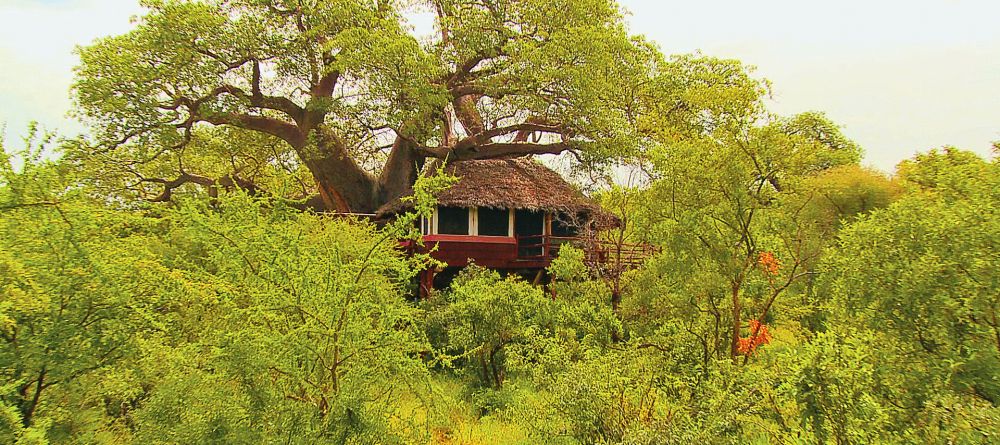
259	100
326	84
187	178
496	150
467	113
275	127
485	137
6	207
229	65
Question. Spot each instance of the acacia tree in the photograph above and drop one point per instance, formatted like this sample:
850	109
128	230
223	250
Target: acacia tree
71	305
353	95
727	199
916	285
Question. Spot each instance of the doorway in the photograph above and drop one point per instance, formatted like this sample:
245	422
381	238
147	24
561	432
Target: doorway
530	223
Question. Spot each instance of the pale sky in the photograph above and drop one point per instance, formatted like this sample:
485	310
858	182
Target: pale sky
901	76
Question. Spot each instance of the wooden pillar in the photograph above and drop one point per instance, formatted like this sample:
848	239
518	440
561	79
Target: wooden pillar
426	283
547	236
538	277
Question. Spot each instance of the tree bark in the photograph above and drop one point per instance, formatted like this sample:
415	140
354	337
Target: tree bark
468	115
343	185
28	411
400	171
737	322
495	370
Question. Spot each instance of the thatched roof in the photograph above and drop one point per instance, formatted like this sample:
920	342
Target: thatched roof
507	184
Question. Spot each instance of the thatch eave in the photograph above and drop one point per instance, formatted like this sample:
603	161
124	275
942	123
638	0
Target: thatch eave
521	184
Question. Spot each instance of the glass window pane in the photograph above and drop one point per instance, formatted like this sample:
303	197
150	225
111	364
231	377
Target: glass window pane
494	222
453	221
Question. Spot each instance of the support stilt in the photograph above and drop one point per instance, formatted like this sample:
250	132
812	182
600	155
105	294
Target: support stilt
538	277
426	283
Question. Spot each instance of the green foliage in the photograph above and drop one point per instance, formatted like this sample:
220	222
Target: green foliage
583	318
318	87
238	320
695	95
922	273
486	314
822	141
835	196
948	172
233	316
612	398
70	304
832	381
298	327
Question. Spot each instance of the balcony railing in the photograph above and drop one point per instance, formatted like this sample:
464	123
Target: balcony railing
602	255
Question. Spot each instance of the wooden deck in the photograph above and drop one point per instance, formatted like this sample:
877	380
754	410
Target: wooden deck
531	252
601	256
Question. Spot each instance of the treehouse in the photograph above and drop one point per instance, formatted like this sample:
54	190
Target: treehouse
506	214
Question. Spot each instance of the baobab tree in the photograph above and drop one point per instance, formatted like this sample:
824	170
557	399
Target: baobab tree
349	91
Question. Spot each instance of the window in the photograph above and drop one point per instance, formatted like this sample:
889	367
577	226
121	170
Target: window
453	220
493	222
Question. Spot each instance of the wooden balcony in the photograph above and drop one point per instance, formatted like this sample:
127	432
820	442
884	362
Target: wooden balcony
532	252
602	256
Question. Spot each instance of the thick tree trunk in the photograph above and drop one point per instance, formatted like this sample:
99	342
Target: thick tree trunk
468	115
400	171
347	188
344	186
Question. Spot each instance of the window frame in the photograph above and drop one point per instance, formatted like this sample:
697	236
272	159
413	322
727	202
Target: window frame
437	222
510	224
433	225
